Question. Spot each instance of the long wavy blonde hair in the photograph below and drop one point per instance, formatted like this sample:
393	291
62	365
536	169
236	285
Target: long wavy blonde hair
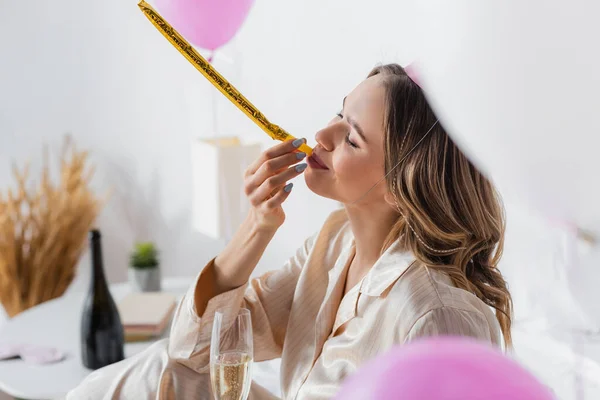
451	216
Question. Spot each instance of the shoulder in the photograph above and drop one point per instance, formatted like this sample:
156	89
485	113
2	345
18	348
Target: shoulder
335	230
336	222
429	304
329	241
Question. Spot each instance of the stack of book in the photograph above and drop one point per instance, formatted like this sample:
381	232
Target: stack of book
146	316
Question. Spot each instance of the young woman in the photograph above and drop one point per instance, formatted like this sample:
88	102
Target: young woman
412	254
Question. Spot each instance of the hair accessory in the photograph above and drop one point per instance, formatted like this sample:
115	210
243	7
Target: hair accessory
429	247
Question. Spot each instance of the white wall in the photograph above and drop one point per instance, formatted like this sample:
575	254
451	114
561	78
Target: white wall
101	71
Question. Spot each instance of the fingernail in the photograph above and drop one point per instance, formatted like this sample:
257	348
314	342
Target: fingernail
300	155
288	187
300	168
298	142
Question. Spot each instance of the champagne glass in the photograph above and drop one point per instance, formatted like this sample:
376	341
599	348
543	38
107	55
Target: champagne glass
231	356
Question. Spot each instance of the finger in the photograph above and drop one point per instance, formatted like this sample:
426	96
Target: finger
278	150
258	200
274	183
270	168
279	197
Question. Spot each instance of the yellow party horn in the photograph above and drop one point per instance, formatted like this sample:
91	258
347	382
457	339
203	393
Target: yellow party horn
216	78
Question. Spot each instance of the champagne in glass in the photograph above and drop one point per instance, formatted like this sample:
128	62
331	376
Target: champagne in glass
231	356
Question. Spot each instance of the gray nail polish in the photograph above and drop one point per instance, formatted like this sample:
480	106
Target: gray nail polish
300	156
288	187
297	143
300	167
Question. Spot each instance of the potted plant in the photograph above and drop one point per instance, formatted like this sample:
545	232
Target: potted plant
144	272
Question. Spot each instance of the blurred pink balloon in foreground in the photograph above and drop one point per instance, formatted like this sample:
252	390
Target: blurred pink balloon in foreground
413	73
443	368
208	24
516	84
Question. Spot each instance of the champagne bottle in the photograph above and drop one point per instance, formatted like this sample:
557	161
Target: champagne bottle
102	337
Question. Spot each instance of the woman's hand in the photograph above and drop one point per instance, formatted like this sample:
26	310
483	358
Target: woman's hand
266	183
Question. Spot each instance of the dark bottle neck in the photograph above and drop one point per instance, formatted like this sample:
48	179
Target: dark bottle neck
98	278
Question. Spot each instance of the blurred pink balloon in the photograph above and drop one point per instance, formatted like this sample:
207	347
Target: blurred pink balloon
208	24
413	74
443	368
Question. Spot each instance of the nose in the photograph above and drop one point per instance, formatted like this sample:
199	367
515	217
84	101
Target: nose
332	135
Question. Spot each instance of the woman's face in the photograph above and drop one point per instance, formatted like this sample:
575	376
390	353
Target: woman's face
348	158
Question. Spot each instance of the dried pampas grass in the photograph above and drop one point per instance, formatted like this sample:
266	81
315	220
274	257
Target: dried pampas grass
43	231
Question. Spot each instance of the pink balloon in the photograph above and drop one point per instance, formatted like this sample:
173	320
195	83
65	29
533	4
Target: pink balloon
205	23
413	74
443	368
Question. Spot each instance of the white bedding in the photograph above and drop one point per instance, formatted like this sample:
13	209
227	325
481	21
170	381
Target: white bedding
572	372
567	363
266	374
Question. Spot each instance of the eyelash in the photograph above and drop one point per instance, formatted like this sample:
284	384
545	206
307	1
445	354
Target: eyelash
351	143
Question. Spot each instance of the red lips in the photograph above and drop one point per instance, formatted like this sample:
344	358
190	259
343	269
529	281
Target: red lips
315	162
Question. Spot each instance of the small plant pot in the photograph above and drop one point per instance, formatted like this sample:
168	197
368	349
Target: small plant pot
144	279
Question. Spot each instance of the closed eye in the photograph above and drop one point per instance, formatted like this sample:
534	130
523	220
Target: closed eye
350	142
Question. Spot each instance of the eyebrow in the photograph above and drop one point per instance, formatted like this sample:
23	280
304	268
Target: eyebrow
355	124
